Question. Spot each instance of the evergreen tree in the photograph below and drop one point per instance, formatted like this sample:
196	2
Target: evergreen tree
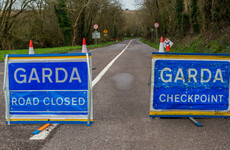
81	27
115	31
64	21
194	17
207	8
185	24
179	10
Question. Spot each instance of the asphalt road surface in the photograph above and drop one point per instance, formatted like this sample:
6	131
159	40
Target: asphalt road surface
121	113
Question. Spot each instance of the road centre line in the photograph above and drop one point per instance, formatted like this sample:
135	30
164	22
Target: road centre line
42	135
101	74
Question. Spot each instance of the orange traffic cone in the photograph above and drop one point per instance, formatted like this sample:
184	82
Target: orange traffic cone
84	48
167	45
161	47
31	49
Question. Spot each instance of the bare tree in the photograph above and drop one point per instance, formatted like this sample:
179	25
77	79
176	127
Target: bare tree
9	12
77	8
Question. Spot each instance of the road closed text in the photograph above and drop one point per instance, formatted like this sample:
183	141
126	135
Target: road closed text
59	101
49	100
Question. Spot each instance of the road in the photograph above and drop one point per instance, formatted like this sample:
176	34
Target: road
121	113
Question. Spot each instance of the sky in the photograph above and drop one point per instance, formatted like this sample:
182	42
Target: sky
130	4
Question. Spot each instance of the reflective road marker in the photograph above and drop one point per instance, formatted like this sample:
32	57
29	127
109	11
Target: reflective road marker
42	135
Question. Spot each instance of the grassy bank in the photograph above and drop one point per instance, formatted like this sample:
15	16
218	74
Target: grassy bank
52	50
150	43
210	42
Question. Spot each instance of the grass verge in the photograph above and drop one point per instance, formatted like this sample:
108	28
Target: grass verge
150	43
65	49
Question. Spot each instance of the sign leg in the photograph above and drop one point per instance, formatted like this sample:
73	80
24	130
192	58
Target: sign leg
89	90
6	92
196	122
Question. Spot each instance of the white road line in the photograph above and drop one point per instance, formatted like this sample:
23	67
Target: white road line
101	74
42	135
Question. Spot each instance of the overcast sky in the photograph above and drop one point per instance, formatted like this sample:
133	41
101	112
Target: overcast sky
130	4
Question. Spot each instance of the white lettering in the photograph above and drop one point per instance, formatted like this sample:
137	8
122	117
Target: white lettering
46	99
67	102
44	75
218	72
169	98
34	72
214	97
202	75
57	75
201	98
28	101
22	76
190	75
182	98
76	78
177	98
81	101
161	98
190	98
196	97
221	98
59	98
23	101
167	75
74	101
14	101
35	101
179	72
52	101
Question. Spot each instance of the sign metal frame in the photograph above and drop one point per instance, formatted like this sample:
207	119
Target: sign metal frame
55	116
186	112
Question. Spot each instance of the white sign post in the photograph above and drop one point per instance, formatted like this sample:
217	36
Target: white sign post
156	25
96	35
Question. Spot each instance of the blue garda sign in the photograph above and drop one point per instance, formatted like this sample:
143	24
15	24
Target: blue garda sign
190	85
48	76
50	88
